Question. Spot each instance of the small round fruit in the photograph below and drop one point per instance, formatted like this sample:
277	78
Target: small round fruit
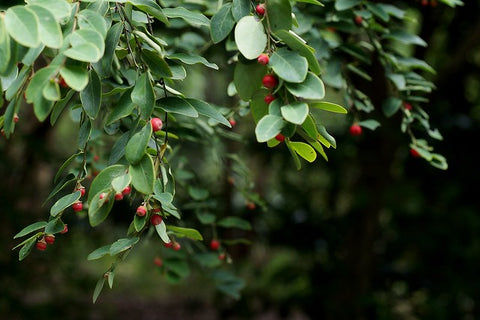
157	124
263	59
168	244
15	118
251	206
269	81
232	122
141	211
77	206
127	190
82	190
96	158
407	106
176	246
221	256
62	83
65	229
155	219
414	153
280	137
50	238
214	244
41	245
260	9
269	98
355	130
158	262
118	196
358	20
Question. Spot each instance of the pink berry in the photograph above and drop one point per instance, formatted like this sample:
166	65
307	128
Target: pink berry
157	124
355	130
269	98
77	206
127	190
41	245
155	219
50	238
118	196
269	81
214	244
263	59
176	246
232	121
141	211
260	9
280	137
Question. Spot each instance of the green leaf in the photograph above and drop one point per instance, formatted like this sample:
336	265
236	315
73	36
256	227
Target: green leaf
391	105
247	78
54	226
34	93
323	132
122	244
341	5
139	222
289	65
186	232
328	106
51	91
60	106
75	76
89	19
64	202
99	253
318	3
87	45
378	11
298	44
143	96
234	222
310	127
195	19
258	107
304	150
42	108
268	127
65	164
104	180
91	96
405	37
104	66
177	105
99	209
312	88
120	183
206	218
35	237
98	289
137	145
26	249
152	8
250	37
222	23
142	175
86	52
161	229
156	63
5	50
22	25
295	112
208	259
192	59
240	9
123	108
207	110
49	30
28	229
369	124
59	8
67	180
279	14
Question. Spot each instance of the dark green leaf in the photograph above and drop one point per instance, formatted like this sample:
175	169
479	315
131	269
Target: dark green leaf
48	29
289	65
91	96
234	222
207	110
222	23
22	25
248	78
346	4
152	8
84	134
240	9
123	108
99	253
143	96
99	209
26	249
137	145
279	14
98	289
143	176
61	185
122	244
196	19
156	63
178	105
64	202
192	59
54	226
391	105
28	229
104	179
369	124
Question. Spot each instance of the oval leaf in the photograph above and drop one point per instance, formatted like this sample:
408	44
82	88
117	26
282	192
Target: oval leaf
91	96
178	105
104	179
142	175
186	232
289	65
161	229
222	23
64	202
99	209
234	222
49	30
250	37
328	106
295	112
137	145
268	127
304	150
22	25
28	229
143	96
312	88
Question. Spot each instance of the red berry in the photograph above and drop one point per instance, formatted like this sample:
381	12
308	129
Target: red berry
96	158
355	130
414	153
280	137
157	124
407	106
62	82
141	211
127	190
155	219
269	81
156	210
41	245
65	229
15	118
214	244
251	206
232	122
77	206
269	98
260	9
221	256
158	262
263	59
176	246
50	238
331	29
358	20
118	196
168	244
82	190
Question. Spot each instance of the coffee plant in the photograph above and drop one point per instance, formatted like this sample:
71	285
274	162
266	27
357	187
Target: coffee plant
118	69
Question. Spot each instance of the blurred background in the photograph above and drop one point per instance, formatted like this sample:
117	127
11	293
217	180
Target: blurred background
372	234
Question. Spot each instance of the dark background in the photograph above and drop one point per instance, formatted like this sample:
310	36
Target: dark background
372	234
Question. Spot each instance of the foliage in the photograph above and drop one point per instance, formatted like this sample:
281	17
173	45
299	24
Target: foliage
114	65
